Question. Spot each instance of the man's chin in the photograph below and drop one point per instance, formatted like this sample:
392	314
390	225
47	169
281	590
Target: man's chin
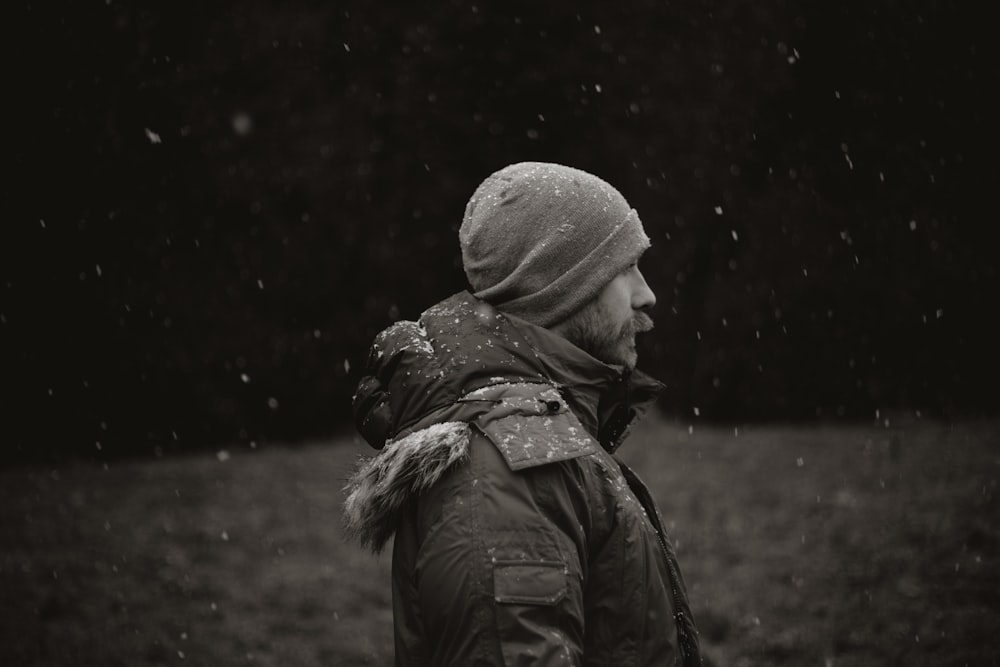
626	356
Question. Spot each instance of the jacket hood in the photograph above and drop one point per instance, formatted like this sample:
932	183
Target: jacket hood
415	400
417	369
418	372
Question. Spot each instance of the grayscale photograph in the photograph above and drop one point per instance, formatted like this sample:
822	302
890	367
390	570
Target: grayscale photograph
466	334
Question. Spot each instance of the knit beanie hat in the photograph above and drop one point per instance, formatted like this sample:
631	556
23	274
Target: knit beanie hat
541	240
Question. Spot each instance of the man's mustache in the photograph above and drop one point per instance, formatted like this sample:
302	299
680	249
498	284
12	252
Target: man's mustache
640	323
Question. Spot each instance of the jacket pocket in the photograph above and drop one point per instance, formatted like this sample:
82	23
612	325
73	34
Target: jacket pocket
529	582
538	613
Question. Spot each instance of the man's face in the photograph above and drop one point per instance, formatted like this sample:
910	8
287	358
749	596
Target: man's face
606	327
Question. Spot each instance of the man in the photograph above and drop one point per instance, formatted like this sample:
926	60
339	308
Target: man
519	538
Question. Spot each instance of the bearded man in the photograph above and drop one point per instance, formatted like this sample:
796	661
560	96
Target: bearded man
519	537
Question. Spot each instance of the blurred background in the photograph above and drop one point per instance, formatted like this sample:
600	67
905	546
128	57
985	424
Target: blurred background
212	208
215	207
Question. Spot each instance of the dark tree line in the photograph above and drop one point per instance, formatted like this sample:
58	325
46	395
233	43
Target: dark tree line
216	208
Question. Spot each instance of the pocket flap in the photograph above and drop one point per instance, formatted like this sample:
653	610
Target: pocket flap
531	582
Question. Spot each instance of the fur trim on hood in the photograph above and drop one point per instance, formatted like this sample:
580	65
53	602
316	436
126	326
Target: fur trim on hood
404	467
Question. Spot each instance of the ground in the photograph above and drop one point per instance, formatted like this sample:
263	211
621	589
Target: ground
874	544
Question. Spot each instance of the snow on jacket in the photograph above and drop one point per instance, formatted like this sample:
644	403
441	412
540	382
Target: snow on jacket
519	538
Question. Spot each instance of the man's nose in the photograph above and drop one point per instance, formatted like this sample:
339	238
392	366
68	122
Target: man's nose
642	296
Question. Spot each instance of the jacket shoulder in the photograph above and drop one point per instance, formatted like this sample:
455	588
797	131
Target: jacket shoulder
531	425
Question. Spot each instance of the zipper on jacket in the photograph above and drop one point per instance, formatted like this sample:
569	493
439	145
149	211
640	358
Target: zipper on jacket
687	633
688	643
611	435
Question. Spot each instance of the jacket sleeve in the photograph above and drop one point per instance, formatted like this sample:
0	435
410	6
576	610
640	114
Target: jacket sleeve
499	564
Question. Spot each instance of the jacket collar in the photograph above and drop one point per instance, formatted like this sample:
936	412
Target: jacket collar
606	399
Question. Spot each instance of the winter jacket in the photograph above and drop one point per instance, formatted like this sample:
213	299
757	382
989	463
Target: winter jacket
519	538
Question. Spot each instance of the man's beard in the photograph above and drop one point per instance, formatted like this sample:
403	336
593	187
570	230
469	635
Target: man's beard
593	331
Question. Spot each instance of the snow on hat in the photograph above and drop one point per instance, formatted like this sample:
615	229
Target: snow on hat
541	240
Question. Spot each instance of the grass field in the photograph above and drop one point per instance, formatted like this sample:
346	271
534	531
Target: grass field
822	545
